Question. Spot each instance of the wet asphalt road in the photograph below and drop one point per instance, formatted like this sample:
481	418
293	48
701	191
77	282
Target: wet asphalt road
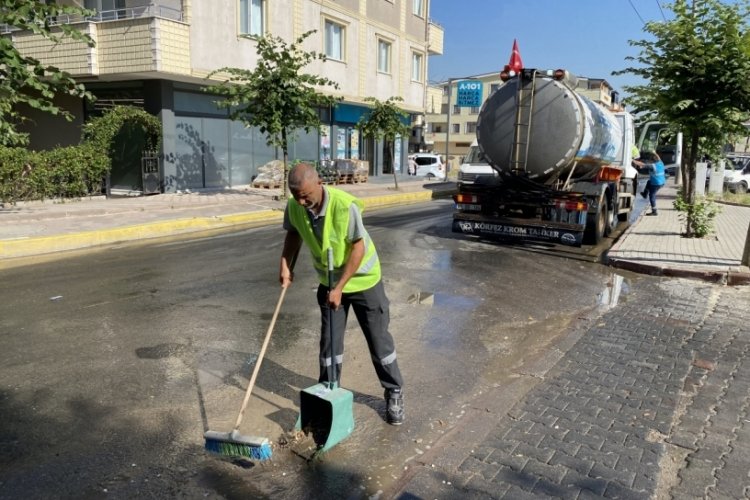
113	363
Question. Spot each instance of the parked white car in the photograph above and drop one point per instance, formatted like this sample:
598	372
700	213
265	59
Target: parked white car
738	179
429	165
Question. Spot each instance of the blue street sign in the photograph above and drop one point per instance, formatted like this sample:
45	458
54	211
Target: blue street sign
469	94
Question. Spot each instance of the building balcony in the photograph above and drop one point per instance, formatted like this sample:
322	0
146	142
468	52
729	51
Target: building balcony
149	38
435	34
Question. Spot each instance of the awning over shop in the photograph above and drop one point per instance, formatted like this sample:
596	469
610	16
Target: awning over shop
348	113
352	113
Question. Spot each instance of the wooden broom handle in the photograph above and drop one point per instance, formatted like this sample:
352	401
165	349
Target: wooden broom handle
263	351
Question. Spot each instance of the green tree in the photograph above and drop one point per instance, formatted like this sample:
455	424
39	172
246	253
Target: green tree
25	80
385	122
276	96
697	69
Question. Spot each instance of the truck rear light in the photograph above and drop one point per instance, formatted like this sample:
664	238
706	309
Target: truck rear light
609	174
572	206
466	198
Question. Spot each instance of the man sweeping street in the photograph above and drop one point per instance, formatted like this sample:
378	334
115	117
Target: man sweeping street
325	217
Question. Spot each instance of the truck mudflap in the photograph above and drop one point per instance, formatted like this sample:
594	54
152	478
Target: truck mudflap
517	229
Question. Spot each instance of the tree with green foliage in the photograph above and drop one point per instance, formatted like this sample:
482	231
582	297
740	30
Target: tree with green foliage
25	80
385	122
276	96
697	69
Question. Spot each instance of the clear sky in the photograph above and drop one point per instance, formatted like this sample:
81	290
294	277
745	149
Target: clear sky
586	37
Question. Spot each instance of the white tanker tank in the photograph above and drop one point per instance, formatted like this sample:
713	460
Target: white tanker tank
535	126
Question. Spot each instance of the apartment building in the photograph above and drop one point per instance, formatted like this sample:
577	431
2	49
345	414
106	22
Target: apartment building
157	54
451	129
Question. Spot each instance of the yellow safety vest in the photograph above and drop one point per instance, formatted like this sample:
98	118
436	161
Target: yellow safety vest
334	235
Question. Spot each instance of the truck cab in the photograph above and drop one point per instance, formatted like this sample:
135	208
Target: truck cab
474	169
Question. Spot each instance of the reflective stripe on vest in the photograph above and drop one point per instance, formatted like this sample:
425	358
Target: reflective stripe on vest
335	232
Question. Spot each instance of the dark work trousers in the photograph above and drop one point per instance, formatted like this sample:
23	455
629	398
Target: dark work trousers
651	190
371	308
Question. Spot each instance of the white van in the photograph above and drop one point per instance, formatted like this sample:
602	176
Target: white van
475	169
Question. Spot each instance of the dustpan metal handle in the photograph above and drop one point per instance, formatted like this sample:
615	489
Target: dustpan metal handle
332	381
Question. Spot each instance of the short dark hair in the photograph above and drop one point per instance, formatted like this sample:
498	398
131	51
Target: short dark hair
650	156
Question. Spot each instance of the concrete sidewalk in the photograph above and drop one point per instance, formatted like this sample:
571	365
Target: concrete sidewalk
39	228
651	245
655	246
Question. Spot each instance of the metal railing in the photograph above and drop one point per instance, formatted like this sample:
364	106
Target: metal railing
153	10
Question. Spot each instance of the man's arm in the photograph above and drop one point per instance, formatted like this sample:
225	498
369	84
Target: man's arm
292	245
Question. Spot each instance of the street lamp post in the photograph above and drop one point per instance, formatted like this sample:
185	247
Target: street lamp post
448	126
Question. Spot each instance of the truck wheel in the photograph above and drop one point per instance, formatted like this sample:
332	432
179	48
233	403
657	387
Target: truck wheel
596	227
611	219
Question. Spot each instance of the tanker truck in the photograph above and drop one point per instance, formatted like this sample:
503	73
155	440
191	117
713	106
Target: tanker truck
564	164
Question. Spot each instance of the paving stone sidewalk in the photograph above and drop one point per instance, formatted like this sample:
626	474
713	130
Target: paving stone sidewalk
651	402
655	246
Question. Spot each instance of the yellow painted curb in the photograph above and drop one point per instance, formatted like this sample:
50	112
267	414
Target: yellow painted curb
26	247
397	199
49	244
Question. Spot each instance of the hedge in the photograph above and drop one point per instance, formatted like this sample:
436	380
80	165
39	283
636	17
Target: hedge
69	172
73	171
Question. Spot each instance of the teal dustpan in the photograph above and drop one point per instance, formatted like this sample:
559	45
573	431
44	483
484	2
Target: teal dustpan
326	413
326	410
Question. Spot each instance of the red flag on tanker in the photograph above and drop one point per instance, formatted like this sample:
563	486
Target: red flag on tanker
515	63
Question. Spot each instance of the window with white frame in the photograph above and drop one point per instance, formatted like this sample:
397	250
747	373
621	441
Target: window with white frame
418	7
471	127
252	21
474	110
456	109
334	40
456	128
105	9
416	66
384	56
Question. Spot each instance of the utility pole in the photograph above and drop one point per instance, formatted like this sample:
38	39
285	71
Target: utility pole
448	127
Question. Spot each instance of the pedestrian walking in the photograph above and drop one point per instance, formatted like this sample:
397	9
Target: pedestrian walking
322	217
651	164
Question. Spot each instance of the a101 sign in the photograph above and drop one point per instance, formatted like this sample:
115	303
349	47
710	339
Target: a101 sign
469	94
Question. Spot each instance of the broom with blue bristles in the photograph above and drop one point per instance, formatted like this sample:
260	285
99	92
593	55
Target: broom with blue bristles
234	444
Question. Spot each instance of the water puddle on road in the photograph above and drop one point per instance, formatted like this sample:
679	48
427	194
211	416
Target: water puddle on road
446	317
444	300
615	291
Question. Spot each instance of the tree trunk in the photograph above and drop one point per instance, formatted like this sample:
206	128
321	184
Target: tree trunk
689	182
285	173
389	148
